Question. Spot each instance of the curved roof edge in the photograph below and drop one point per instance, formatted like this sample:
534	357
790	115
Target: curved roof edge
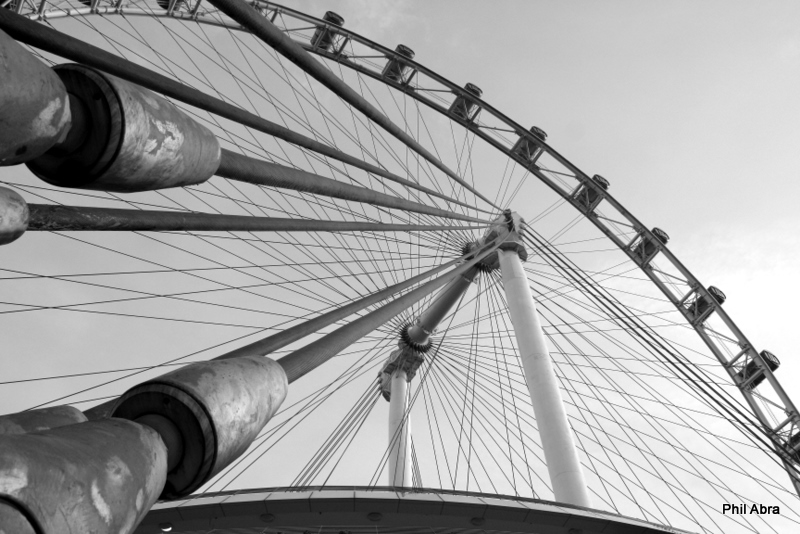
357	509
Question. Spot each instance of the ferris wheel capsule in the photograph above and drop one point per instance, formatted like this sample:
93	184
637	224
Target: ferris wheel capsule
324	35
701	307
396	69
529	150
753	373
463	106
645	248
589	194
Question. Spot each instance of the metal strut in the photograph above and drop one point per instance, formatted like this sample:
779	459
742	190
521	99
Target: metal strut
400	368
561	457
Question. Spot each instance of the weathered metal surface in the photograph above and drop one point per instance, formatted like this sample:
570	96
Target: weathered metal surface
48	39
41	419
101	411
13	520
256	171
253	21
93	477
13	215
219	407
136	140
34	108
73	218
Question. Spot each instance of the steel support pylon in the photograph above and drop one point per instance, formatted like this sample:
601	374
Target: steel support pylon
566	475
399	432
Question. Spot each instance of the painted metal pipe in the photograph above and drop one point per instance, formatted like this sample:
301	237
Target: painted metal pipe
48	217
257	24
256	171
308	358
39	420
399	472
53	41
421	331
134	140
561	457
97	476
13	215
218	408
34	106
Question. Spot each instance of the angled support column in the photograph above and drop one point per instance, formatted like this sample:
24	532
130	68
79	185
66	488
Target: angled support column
563	465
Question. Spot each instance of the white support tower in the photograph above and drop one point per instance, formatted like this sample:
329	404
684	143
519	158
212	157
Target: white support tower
563	465
399	432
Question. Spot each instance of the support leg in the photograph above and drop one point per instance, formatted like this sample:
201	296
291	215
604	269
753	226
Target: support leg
399	439
560	454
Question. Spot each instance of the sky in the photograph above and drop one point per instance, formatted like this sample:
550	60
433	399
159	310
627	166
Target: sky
689	109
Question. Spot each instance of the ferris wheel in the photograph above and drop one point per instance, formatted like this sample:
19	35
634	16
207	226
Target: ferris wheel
283	278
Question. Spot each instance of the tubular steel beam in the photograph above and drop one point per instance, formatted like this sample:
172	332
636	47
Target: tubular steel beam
314	354
47	217
429	320
53	41
267	345
277	341
252	20
256	171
